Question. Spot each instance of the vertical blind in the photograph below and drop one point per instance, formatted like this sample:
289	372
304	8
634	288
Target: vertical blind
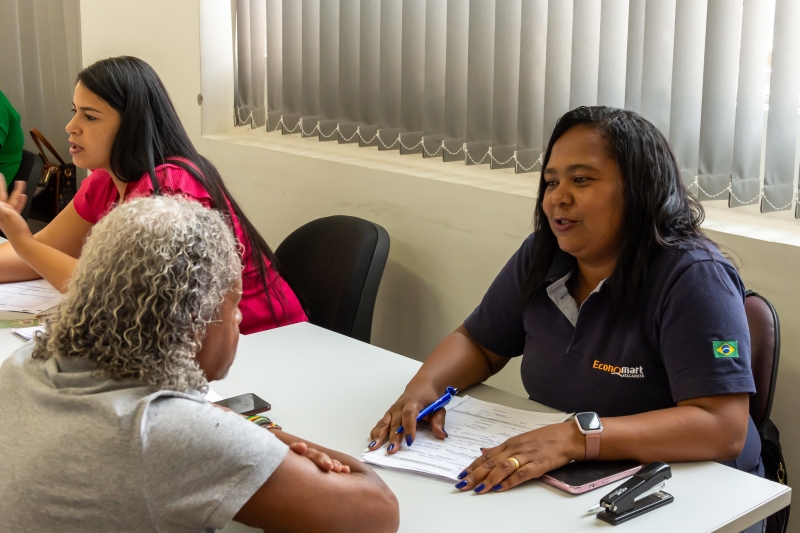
40	56
484	81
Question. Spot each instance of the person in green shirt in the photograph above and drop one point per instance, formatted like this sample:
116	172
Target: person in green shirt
11	140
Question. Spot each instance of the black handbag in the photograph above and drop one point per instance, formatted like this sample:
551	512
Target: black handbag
57	184
774	470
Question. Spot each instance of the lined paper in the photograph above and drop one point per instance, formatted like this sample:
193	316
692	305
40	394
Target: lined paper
28	296
471	424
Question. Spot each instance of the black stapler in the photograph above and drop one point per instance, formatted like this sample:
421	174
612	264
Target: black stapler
640	494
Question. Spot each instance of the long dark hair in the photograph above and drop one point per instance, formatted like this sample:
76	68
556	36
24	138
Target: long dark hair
151	134
658	211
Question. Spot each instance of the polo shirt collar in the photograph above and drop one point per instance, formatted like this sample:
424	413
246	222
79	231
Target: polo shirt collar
562	264
559	294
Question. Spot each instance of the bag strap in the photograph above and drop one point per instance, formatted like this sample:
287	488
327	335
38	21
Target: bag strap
38	138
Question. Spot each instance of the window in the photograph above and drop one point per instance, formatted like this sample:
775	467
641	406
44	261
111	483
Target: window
484	81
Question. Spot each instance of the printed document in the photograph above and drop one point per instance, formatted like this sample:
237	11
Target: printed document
28	297
212	396
471	424
27	333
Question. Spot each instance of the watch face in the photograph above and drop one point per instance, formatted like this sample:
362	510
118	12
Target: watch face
588	421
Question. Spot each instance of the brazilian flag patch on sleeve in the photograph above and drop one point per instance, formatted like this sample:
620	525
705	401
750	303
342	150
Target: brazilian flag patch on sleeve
726	349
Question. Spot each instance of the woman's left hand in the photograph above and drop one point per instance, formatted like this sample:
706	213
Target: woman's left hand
321	459
538	452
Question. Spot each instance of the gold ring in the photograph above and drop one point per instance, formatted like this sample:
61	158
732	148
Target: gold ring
516	463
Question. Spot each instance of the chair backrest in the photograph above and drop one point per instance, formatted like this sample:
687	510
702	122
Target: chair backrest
765	350
335	265
30	169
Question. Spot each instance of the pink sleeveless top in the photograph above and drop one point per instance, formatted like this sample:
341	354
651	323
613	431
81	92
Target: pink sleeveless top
98	195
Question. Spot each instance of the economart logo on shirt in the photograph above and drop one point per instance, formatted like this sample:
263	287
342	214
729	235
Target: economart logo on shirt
621	371
726	349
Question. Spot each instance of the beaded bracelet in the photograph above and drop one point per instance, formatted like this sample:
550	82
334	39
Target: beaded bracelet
263	421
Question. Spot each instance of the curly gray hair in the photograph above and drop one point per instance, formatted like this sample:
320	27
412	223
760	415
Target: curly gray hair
152	275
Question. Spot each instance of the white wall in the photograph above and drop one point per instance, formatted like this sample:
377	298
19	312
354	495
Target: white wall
451	228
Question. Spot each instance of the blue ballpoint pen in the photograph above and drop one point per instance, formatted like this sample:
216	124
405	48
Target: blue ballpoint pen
435	406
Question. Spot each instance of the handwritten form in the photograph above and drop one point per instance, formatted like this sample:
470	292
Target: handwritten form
28	297
471	424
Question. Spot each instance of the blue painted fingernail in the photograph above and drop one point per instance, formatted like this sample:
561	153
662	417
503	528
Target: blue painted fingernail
445	434
390	448
371	444
498	486
461	485
408	440
463	474
480	487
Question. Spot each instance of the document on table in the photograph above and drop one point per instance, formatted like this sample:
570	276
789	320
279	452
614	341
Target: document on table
212	396
28	296
471	424
27	333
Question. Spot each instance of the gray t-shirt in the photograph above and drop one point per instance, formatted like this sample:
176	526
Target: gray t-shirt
79	454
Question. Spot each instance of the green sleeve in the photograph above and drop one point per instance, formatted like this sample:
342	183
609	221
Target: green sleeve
5	122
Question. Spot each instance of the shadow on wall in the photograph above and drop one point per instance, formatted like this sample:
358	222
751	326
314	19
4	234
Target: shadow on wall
392	328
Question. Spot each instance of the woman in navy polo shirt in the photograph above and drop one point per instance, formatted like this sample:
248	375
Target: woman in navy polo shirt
619	305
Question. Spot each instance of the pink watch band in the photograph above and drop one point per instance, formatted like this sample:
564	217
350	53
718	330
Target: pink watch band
592	446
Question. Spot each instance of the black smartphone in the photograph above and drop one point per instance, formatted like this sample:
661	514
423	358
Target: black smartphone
246	404
581	476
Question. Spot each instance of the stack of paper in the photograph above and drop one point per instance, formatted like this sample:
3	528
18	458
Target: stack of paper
28	297
212	396
27	333
471	424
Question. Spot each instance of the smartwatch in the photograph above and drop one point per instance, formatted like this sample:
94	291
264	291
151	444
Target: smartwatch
589	424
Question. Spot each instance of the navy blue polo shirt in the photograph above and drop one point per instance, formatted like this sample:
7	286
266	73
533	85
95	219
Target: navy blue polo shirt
688	338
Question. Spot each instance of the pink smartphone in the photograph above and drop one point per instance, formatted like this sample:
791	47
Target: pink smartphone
582	476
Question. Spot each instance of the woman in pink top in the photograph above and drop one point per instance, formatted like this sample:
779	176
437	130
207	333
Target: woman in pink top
126	129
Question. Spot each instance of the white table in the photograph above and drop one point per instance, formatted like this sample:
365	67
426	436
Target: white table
332	389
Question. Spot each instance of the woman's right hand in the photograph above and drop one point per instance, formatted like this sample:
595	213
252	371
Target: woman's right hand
16	200
11	205
457	361
11	222
404	412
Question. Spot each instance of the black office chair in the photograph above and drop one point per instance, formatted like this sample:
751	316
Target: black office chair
335	265
765	350
30	169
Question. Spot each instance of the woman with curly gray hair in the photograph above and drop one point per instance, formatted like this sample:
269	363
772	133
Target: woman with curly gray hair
103	422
